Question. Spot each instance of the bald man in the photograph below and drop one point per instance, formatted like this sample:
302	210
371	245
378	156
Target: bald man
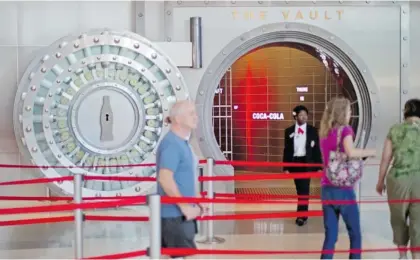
176	175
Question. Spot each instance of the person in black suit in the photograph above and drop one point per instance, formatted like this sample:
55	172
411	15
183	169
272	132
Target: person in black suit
301	145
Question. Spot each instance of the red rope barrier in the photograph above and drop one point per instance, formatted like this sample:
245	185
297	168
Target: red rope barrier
264	196
271	215
32	221
118	178
115	218
264	176
37	181
189	251
267	164
121	255
73	206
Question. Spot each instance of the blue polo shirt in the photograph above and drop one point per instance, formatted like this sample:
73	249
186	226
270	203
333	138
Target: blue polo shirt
175	154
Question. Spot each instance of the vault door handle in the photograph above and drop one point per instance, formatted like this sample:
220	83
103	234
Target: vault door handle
106	120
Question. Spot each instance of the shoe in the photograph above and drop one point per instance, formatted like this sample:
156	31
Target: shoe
301	222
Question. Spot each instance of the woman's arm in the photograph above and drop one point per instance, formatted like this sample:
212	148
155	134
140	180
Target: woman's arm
353	152
386	160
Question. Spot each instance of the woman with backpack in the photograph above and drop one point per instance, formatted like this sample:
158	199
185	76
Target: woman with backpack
403	145
341	173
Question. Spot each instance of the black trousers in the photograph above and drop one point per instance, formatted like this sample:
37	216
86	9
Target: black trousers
302	185
178	233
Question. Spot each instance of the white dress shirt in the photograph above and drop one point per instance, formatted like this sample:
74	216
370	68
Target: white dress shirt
300	141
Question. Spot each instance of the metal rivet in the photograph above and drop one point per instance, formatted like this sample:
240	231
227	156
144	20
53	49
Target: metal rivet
405	38
341	1
97	194
50	94
76	45
332	37
223	52
58	81
96	39
137	189
168	70
114	58
47	126
118	194
178	87
129	62
143	70
34	149
136	45
28	129
140	15
43	70
161	94
154	55
23	96
45	58
33	87
83	62
405	91
364	71
116	40
46	110
69	69
405	65
201	92
168	12
59	155
168	39
98	58
62	45
28	108
178	75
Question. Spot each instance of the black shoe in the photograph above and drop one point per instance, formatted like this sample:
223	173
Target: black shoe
301	221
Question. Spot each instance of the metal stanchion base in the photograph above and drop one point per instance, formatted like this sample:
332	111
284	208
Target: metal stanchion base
214	240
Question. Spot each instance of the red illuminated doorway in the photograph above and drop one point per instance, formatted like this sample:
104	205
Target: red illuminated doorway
255	97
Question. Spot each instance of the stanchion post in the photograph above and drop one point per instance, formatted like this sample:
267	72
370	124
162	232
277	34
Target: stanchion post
155	225
209	224
78	216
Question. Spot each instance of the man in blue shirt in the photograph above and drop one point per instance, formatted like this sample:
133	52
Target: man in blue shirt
176	176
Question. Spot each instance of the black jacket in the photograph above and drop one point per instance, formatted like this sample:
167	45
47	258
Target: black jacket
313	153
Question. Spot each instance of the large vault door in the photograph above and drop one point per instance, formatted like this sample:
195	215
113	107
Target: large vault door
222	115
95	104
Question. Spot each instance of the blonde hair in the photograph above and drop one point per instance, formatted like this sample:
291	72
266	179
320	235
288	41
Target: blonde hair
335	114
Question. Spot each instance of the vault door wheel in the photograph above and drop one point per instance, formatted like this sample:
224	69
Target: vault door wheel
94	104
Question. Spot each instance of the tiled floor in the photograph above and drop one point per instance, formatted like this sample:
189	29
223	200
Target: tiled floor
54	241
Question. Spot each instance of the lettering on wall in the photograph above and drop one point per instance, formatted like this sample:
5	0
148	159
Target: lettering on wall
301	89
267	116
219	91
289	15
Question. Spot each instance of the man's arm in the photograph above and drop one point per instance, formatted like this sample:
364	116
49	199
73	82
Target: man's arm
168	162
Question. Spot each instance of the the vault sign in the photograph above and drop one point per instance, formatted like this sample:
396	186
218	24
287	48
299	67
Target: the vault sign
287	15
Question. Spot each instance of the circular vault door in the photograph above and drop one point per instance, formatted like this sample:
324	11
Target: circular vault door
95	104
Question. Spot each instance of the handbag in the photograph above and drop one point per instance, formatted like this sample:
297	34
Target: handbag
341	170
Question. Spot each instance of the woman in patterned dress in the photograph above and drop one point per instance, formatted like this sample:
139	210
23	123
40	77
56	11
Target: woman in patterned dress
403	180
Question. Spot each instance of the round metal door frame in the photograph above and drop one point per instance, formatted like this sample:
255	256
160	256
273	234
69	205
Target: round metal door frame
45	60
277	33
